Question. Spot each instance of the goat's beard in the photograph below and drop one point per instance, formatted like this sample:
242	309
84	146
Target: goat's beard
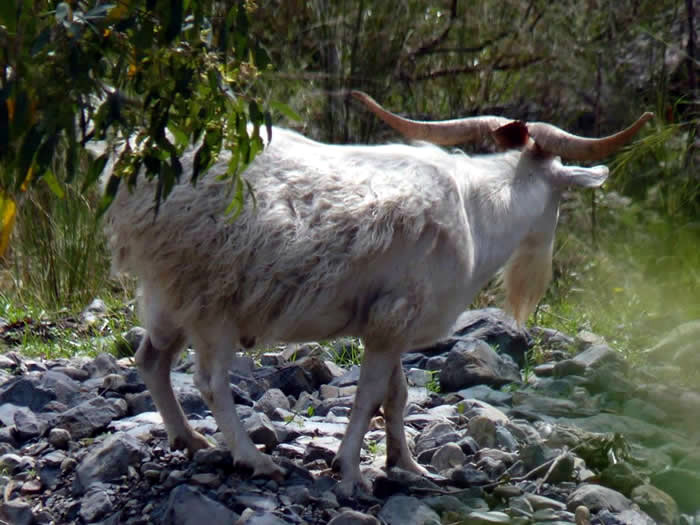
526	276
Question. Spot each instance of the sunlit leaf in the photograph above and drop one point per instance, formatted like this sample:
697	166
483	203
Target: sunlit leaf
95	168
8	212
285	110
53	184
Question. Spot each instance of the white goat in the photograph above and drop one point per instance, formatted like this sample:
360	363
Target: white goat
389	243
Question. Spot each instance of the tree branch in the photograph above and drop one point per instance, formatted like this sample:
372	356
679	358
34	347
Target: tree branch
449	72
427	47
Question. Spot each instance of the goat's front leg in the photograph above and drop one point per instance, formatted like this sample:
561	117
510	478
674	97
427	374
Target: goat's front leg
398	454
154	363
377	366
213	363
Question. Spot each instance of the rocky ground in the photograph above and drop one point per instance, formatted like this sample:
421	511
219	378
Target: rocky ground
582	438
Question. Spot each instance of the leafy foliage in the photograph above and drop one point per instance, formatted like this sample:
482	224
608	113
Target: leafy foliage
162	73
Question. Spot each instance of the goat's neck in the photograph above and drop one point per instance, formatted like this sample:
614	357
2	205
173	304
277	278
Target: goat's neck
501	213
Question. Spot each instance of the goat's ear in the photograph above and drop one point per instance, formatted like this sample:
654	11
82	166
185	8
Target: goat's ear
513	135
580	176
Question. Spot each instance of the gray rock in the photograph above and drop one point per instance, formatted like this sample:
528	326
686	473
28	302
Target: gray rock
447	503
656	503
474	362
530	403
468	476
496	328
472	408
349	378
96	503
448	456
109	461
251	517
59	438
261	430
65	389
88	417
483	430
271	400
540	502
597	498
626	517
188	506
505	440
213	457
406	510
435	435
599	354
322	447
682	485
291	379
103	365
27	425
16	512
14	463
622	477
353	517
487	394
26	392
487	518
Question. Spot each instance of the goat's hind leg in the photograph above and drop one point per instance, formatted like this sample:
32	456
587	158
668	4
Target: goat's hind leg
214	354
154	359
377	366
398	454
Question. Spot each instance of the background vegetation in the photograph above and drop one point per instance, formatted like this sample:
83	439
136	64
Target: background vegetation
627	261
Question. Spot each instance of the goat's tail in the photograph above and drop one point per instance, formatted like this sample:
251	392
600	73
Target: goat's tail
527	275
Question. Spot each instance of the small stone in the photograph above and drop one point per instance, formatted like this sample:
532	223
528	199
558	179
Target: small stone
448	456
406	510
656	503
31	487
188	506
27	425
206	479
582	515
597	498
213	457
483	430
261	430
353	517
468	476
487	518
59	438
272	399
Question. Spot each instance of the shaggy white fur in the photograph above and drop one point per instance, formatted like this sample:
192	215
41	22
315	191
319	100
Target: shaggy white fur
389	243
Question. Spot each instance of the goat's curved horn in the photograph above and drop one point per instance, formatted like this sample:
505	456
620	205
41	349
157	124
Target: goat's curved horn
442	132
550	138
558	142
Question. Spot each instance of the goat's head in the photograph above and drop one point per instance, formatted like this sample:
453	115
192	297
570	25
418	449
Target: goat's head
542	146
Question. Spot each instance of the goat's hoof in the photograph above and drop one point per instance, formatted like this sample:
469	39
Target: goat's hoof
411	466
264	468
351	487
191	443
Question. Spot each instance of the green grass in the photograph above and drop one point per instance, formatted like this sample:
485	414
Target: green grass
52	334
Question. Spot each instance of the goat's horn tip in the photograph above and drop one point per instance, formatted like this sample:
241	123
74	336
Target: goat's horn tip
360	95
